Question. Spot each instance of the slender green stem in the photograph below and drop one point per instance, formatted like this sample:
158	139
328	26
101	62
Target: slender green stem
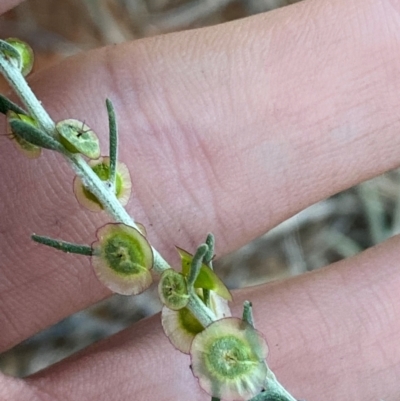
109	201
274	387
106	195
203	314
97	187
64	246
113	143
274	390
21	87
89	179
159	263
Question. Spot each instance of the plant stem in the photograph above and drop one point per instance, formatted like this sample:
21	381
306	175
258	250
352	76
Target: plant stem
107	198
21	87
274	391
274	386
90	179
203	314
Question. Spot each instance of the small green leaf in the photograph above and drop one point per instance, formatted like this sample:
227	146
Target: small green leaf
77	137
33	135
7	105
248	313
206	279
64	246
112	122
28	149
210	241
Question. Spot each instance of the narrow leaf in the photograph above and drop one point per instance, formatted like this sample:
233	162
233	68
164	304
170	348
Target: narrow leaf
208	257
196	264
64	246
35	136
210	241
113	141
6	105
248	313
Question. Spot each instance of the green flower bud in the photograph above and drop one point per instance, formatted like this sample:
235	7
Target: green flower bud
28	149
101	167
228	358
173	290
122	259
77	137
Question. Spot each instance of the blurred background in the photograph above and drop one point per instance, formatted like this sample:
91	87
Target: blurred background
336	228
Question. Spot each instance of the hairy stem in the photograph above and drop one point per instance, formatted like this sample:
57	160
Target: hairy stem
22	89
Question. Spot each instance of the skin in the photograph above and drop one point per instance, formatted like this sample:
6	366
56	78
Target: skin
229	129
